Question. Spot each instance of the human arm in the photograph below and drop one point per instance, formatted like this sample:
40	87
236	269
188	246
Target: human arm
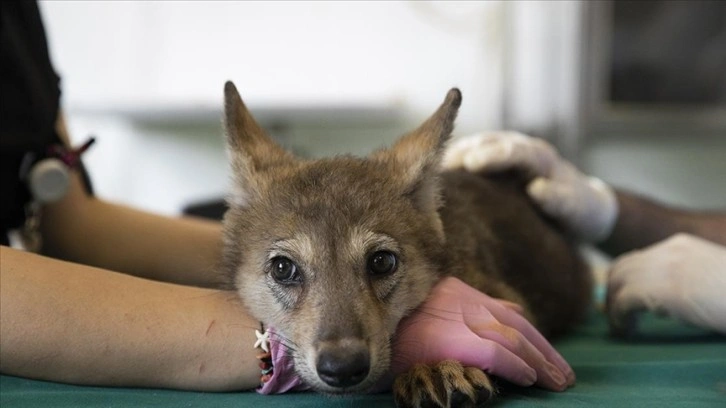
679	276
66	322
643	222
618	221
458	322
86	229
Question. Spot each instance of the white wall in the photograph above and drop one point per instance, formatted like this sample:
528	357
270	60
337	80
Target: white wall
120	56
517	63
164	52
541	70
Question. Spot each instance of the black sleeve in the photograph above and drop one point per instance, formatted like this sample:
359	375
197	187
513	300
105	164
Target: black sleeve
30	98
30	86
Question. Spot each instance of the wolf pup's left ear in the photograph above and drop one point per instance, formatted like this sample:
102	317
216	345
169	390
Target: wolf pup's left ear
250	149
415	158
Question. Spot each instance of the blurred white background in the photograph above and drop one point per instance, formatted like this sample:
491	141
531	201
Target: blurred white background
328	77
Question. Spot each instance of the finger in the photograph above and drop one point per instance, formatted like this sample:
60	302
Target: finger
499	151
475	319
559	201
488	355
532	155
495	359
515	307
534	337
623	272
498	155
623	307
624	325
454	154
550	195
623	268
548	375
459	148
491	156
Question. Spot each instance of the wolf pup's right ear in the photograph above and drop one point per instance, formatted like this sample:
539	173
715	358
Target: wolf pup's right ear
250	149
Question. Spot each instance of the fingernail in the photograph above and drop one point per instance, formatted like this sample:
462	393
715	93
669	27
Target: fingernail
531	377
557	376
565	369
571	377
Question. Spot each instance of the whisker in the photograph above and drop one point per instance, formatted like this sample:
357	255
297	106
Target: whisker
286	342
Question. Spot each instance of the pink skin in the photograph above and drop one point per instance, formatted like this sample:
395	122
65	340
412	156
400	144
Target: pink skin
460	323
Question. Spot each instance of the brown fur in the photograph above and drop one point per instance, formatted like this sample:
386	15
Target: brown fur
328	216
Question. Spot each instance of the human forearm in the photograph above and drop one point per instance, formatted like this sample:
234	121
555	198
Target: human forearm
71	323
180	250
642	222
586	207
88	230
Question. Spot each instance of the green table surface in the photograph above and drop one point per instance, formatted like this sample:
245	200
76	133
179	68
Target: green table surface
667	365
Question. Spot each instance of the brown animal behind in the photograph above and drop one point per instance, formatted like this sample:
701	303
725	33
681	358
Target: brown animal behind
301	236
499	243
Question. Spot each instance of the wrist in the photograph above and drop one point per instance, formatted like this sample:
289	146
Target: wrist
202	341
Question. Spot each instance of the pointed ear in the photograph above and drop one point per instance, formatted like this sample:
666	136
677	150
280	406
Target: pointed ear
249	148
415	157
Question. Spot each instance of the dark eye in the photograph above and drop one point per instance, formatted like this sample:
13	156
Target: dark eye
284	270
382	263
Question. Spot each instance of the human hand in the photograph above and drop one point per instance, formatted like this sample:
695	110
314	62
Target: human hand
458	322
683	277
584	205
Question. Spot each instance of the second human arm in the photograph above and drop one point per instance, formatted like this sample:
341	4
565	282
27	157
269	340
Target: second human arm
86	229
643	222
616	220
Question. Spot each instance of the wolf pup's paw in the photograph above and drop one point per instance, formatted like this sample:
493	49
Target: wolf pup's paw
447	384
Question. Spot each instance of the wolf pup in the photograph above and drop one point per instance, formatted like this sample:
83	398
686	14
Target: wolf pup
332	253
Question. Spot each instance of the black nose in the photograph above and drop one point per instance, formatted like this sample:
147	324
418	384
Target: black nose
343	366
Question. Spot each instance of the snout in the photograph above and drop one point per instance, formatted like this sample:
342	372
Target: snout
343	363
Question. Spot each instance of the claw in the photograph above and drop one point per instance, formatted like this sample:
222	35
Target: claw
443	385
